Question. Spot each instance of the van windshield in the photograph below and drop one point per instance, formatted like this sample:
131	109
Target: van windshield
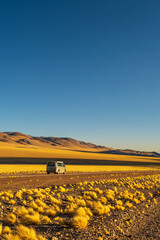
51	164
60	164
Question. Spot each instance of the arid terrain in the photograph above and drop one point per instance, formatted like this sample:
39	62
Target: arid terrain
18	148
105	194
24	148
99	205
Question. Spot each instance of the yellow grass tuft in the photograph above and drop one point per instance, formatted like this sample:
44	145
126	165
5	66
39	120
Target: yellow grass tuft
51	212
99	208
55	200
18	194
31	219
80	202
70	209
88	212
155	201
33	205
26	233
79	221
6	230
60	220
40	203
46	219
12	202
128	204
21	233
69	198
21	211
11	237
10	219
80	212
1	227
62	189
40	209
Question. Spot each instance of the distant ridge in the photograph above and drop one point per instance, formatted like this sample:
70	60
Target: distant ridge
61	142
21	139
132	152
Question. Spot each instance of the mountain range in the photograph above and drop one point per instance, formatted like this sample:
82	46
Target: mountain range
22	140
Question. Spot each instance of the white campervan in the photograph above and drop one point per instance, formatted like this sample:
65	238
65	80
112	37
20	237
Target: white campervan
56	167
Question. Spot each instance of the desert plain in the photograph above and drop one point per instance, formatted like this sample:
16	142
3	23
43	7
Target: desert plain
105	193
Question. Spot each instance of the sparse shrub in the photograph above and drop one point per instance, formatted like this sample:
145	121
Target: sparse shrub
54	200
12	202
30	198
40	203
79	221
50	212
69	198
70	208
98	191
10	218
18	195
62	189
6	230
21	211
103	200
26	233
60	220
80	202
46	219
33	205
128	204
110	194
31	219
40	210
1	228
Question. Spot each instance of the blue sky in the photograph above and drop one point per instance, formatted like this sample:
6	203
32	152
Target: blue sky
83	69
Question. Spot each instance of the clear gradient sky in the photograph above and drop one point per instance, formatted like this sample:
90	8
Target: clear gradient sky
84	69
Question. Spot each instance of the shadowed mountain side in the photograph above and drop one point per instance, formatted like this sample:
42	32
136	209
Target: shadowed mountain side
132	153
25	160
122	152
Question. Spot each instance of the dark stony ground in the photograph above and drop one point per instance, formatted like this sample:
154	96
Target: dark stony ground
136	223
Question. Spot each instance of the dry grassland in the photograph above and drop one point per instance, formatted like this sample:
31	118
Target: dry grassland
101	209
12	150
41	168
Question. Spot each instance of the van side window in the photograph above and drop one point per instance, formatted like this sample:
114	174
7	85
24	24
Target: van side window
51	164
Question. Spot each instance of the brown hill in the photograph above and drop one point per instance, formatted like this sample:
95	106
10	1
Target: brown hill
20	139
50	142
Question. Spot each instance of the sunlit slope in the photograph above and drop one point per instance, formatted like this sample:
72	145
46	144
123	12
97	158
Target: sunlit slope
63	146
23	140
12	150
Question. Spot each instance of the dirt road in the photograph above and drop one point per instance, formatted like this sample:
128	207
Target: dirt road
15	182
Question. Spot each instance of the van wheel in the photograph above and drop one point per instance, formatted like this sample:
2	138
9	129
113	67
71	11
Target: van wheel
63	172
48	172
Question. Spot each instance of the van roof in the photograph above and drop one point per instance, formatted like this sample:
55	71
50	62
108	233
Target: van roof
56	161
